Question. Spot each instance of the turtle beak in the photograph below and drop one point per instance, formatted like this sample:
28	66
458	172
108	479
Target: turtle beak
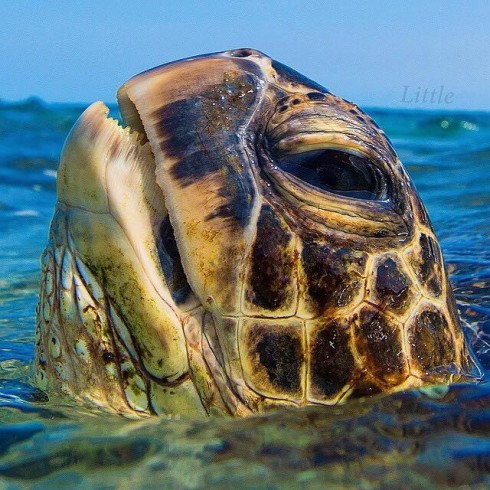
194	115
109	216
108	169
117	169
176	180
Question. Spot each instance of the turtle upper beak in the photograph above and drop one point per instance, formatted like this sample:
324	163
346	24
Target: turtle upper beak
197	132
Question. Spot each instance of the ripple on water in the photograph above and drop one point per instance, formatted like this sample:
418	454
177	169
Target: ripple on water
420	439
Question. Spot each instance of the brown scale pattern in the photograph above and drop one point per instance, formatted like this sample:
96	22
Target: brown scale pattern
378	353
332	363
426	260
392	288
431	341
275	355
332	275
378	340
272	275
355	350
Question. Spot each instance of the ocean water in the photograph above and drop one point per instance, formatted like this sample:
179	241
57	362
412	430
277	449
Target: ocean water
438	437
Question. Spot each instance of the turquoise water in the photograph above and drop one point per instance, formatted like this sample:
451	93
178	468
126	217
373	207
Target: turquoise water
434	438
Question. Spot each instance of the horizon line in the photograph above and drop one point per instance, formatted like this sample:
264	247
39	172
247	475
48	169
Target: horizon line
416	107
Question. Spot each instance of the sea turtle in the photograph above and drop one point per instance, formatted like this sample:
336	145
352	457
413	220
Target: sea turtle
249	240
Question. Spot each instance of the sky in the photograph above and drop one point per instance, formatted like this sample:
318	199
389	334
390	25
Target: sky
377	53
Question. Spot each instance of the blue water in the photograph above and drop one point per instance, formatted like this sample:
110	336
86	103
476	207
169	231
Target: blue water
419	439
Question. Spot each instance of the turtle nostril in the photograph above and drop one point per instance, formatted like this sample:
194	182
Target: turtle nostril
241	53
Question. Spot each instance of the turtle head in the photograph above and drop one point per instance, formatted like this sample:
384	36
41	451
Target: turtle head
279	251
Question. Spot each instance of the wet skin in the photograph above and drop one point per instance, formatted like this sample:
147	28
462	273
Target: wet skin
249	241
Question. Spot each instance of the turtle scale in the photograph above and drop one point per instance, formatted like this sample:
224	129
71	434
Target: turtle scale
384	346
301	287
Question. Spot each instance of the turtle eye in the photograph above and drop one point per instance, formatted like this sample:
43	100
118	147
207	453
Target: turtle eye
338	172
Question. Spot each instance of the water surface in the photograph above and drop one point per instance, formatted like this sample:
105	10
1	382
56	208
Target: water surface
420	439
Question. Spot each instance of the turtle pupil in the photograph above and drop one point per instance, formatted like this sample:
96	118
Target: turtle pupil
338	172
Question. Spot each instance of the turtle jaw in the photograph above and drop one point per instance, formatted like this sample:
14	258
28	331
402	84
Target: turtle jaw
109	330
105	238
108	169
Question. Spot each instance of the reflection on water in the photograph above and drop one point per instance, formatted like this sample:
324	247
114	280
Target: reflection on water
420	439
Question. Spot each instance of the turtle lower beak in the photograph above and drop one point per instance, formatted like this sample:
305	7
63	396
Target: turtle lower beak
113	171
110	215
108	169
